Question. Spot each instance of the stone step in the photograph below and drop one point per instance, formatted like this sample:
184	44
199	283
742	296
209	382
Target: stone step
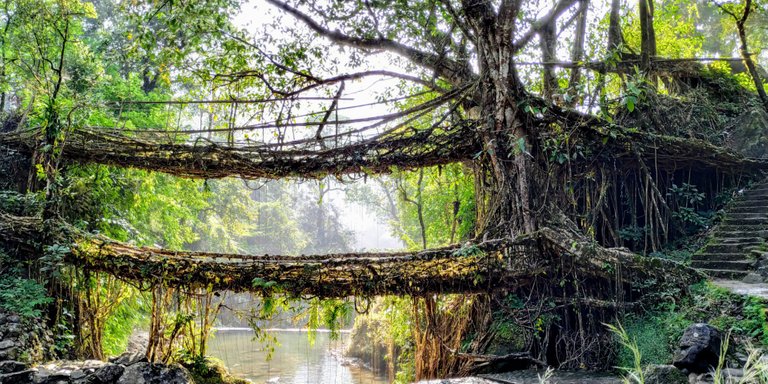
714	256
744	200
730	220
748	206
749	226
748	215
740	231
728	248
759	205
740	238
746	240
747	209
754	195
725	273
741	265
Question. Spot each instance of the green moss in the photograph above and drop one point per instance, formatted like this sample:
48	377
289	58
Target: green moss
211	371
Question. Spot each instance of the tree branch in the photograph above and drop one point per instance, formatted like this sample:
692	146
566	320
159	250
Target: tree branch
454	72
543	22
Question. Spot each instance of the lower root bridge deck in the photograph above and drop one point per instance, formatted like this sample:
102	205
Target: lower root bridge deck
481	267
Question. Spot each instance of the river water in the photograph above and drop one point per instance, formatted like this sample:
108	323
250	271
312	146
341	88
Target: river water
294	359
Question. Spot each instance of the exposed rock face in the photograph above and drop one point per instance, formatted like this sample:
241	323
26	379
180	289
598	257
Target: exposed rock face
699	349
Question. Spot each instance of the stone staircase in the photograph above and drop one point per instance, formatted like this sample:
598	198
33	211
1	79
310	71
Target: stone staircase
738	244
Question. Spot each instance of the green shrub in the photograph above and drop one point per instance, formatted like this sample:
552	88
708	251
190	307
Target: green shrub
24	297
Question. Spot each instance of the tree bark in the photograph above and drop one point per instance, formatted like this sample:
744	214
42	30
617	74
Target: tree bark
577	53
744	50
503	134
615	38
647	34
548	45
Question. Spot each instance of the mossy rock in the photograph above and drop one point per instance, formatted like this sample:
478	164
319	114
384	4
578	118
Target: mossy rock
213	371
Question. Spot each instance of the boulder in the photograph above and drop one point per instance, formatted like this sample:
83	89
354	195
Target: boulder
8	354
67	371
107	374
753	278
13	330
146	373
7	343
129	358
21	377
699	349
664	374
11	366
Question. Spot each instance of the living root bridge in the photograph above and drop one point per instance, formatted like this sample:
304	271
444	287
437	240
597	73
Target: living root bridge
443	270
481	267
405	148
205	159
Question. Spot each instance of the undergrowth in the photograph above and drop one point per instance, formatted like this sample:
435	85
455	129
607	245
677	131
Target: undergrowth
657	331
19	295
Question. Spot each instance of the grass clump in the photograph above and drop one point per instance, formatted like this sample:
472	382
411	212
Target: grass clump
634	370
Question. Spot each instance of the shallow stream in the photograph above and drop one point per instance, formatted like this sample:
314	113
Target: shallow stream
294	359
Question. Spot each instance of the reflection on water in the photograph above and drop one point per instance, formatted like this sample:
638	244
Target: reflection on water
294	360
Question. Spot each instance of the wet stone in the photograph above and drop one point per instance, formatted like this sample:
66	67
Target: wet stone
107	374
8	354
79	374
13	330
21	377
10	366
129	358
145	373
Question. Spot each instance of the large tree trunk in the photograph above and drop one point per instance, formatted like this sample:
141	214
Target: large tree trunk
577	54
747	56
506	140
647	34
615	38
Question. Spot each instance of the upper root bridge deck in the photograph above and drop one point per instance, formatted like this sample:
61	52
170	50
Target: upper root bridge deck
201	158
